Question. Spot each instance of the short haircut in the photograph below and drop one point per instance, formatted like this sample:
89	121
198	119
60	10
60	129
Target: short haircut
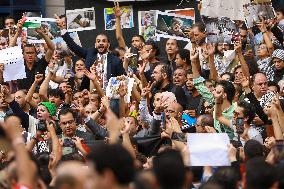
227	177
103	34
249	111
252	149
65	111
227	73
279	9
29	45
9	17
169	164
140	37
201	27
185	55
154	46
229	89
273	83
259	174
115	158
166	69
56	93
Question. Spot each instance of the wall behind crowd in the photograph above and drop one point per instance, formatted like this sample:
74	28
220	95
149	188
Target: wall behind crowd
88	37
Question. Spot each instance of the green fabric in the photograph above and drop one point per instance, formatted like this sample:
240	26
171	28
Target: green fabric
228	114
51	108
203	90
208	96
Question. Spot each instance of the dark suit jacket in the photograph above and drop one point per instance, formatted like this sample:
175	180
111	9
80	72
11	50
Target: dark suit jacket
114	64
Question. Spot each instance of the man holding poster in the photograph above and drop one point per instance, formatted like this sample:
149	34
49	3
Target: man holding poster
33	66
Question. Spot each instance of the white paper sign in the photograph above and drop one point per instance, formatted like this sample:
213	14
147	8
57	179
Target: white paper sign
208	149
232	9
13	60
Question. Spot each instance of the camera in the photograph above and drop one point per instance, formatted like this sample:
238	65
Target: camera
41	126
68	142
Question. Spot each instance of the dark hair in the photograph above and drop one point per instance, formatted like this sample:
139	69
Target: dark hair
273	83
115	158
229	89
227	177
104	34
201	27
279	9
9	17
65	111
169	164
249	111
259	174
227	73
252	149
154	46
29	45
211	185
166	69
140	37
251	62
185	55
56	93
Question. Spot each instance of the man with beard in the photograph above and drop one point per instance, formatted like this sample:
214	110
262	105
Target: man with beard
162	78
99	54
193	98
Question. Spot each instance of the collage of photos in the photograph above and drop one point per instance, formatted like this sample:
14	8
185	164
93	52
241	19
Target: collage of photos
126	18
220	30
254	13
147	24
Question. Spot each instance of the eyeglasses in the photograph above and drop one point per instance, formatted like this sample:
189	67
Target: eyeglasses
70	122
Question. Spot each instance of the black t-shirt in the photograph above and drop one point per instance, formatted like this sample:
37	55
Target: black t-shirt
193	102
39	67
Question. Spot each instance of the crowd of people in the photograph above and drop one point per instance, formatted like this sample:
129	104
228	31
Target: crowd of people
60	130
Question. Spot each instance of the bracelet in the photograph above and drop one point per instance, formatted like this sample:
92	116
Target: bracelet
17	141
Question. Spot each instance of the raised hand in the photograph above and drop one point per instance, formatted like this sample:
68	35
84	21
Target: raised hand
90	75
238	47
194	55
38	78
117	11
210	49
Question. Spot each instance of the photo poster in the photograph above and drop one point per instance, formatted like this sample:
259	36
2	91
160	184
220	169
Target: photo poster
49	27
255	12
81	19
126	18
220	30
147	24
173	26
112	89
5	34
13	61
62	48
224	8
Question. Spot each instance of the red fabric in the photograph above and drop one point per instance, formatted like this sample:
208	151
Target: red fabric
19	186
